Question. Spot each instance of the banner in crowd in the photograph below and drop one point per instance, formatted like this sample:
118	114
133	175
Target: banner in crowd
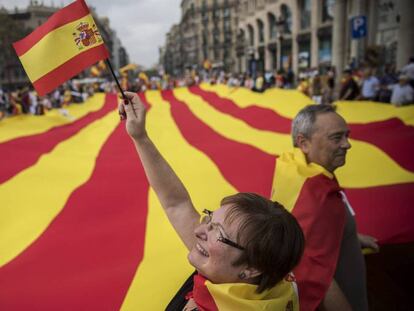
82	230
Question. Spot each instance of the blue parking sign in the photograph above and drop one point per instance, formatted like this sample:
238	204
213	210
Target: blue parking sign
359	26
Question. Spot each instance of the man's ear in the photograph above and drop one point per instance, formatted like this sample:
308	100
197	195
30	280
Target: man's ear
303	143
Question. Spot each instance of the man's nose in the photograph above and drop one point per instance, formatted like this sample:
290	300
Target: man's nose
345	143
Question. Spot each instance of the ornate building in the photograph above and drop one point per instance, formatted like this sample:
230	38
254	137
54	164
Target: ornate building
285	34
266	35
206	34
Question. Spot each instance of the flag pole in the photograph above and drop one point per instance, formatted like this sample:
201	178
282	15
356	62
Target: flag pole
108	62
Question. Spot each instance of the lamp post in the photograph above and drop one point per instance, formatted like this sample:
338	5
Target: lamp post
280	26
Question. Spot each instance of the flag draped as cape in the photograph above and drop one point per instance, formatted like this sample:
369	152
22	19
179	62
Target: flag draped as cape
312	195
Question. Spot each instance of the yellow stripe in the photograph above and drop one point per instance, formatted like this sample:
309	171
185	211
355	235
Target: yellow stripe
46	188
382	170
54	49
368	166
287	191
287	103
366	112
165	267
232	128
25	125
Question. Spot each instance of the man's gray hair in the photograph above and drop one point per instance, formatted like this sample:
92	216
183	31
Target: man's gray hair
305	119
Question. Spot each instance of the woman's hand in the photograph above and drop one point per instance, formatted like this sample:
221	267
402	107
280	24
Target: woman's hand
134	111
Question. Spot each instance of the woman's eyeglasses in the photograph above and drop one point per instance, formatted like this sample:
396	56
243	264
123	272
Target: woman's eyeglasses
206	218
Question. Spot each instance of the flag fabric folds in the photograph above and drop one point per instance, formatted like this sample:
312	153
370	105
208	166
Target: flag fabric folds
242	296
67	43
82	230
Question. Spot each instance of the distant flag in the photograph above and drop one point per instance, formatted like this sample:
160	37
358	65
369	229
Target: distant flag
67	43
102	65
95	71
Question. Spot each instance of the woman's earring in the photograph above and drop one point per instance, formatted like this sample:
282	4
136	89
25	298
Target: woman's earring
242	275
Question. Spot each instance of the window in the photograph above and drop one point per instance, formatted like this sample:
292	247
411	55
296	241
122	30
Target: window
327	10
227	25
287	17
216	53
216	36
192	9
260	28
251	35
305	14
272	26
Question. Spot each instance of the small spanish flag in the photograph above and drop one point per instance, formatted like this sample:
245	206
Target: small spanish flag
62	47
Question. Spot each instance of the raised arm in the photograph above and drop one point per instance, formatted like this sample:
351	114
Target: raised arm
171	192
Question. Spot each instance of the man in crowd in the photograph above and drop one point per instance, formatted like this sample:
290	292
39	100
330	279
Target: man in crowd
349	88
331	274
370	85
402	92
408	70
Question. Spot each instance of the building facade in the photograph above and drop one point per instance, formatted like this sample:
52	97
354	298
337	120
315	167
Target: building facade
267	35
205	36
295	34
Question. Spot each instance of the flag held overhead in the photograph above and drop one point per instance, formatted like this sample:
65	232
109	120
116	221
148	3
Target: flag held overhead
67	43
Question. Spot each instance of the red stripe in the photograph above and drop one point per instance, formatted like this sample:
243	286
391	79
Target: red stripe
247	168
68	14
320	212
391	136
385	212
20	153
67	70
260	118
88	256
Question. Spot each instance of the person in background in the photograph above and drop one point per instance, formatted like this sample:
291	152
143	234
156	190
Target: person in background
316	89
408	70
370	85
349	88
402	92
259	84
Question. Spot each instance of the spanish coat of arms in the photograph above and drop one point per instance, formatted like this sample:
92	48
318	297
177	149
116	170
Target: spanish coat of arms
86	35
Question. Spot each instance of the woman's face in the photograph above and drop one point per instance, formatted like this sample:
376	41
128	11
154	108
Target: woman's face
213	258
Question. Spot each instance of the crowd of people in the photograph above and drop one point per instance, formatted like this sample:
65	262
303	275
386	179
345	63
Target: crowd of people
26	100
323	86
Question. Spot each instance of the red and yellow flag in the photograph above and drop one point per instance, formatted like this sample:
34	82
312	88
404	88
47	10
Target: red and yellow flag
82	230
62	47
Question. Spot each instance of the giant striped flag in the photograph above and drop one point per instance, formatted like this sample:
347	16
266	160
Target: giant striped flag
81	229
67	43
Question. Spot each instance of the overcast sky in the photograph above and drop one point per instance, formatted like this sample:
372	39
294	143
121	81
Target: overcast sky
140	24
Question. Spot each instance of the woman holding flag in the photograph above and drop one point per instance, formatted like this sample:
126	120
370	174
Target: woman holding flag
243	252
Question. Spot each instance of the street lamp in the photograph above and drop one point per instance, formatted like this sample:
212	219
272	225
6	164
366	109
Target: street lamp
280	26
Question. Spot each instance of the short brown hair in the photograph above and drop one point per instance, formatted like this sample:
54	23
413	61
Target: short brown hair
271	236
304	121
